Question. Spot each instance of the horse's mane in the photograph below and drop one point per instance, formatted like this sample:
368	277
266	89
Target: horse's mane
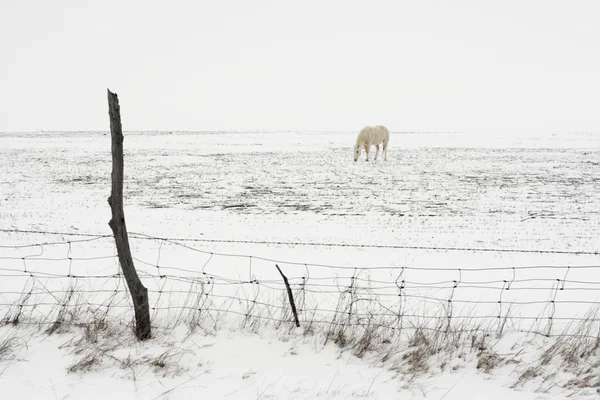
361	135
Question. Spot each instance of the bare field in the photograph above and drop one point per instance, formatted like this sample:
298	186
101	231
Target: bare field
434	189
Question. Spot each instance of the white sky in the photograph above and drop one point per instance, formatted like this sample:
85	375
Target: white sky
484	66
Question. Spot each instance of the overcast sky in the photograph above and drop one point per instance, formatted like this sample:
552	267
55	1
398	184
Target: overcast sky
481	66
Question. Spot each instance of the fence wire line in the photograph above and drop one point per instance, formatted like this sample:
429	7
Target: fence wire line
297	243
37	257
404	284
357	289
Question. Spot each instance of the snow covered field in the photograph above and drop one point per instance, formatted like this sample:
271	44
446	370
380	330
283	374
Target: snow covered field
235	191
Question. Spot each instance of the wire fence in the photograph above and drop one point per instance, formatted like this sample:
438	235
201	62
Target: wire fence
77	279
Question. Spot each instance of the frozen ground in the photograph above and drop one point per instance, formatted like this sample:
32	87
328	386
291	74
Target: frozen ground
435	190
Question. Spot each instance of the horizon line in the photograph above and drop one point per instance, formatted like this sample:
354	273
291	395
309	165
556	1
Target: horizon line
269	131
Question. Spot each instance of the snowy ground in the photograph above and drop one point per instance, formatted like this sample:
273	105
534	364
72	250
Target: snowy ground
435	190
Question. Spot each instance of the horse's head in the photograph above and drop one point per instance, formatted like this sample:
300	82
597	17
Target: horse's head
356	152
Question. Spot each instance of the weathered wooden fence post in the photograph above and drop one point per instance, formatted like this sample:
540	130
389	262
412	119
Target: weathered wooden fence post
139	293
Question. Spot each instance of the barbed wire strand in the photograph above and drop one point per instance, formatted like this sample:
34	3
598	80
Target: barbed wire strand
91	236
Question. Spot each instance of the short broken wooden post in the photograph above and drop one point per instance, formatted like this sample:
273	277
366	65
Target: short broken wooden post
290	296
139	293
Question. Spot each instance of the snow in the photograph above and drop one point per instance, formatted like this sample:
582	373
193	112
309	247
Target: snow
435	190
236	365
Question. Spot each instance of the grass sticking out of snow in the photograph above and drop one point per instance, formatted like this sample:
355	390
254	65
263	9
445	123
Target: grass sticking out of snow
396	361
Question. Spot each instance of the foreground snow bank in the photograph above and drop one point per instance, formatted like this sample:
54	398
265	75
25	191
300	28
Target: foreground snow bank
102	361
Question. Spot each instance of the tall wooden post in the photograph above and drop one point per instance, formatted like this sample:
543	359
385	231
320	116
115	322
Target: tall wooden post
139	293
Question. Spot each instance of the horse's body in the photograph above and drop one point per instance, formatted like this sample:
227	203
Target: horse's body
372	136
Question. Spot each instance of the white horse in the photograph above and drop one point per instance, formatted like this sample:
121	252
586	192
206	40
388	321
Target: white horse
372	135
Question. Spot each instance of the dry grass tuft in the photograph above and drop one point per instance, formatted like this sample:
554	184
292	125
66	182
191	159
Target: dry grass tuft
576	351
66	315
85	364
587	381
10	344
6	348
489	360
527	375
167	363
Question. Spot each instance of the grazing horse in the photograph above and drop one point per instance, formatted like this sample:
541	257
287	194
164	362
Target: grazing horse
372	135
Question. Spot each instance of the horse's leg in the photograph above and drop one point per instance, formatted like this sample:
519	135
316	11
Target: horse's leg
385	145
376	152
367	149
